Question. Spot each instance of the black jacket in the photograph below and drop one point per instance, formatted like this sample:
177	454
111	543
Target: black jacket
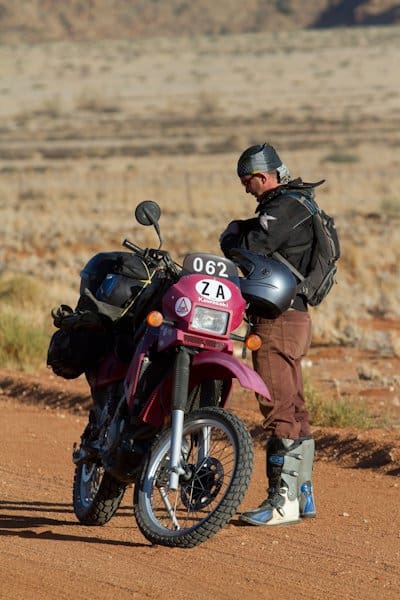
283	224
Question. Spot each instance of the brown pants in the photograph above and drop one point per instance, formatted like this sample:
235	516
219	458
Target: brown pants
286	341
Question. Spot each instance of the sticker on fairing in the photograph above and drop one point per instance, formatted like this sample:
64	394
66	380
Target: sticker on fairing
213	290
183	306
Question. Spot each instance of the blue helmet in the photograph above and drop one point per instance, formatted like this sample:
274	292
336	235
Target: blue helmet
268	285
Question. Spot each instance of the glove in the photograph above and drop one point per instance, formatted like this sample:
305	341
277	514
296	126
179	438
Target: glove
232	229
59	313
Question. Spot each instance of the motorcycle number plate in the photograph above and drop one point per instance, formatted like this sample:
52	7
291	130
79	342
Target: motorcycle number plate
210	264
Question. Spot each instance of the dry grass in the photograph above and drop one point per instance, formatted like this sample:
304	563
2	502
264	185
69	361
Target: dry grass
99	19
90	129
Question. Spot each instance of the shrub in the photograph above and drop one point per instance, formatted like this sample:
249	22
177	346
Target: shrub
391	207
24	322
341	157
284	7
23	345
21	291
338	412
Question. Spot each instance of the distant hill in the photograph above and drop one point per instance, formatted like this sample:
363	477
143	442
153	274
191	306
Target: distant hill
44	20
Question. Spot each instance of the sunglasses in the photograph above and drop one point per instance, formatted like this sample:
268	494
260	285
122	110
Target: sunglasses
247	178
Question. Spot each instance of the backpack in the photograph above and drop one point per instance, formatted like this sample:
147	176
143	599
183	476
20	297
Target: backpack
326	251
80	341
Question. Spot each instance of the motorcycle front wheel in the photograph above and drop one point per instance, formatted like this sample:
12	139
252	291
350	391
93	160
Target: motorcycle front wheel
217	459
96	494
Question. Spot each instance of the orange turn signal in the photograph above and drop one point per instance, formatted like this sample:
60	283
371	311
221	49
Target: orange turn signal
154	319
253	342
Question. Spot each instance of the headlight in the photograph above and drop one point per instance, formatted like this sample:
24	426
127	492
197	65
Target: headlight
208	319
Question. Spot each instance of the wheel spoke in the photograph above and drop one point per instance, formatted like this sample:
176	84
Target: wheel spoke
168	506
216	460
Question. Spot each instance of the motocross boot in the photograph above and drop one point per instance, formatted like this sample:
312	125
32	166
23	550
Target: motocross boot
305	488
281	507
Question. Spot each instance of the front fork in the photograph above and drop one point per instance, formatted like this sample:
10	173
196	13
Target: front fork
180	390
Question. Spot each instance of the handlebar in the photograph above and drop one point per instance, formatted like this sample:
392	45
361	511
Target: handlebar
133	247
154	256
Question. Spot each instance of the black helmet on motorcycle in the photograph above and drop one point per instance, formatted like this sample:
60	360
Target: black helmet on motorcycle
118	290
105	263
268	286
262	158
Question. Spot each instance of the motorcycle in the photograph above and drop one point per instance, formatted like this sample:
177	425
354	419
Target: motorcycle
159	419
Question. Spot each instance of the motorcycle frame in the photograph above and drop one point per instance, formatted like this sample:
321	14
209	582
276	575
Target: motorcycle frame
199	356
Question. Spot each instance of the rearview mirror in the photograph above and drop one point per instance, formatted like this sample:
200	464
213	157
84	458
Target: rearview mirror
148	213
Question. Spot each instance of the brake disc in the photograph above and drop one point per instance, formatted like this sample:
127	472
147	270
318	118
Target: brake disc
204	484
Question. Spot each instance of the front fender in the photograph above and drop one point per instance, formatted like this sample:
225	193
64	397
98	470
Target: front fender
215	365
205	365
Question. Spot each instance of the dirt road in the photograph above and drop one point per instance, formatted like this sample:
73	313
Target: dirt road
351	550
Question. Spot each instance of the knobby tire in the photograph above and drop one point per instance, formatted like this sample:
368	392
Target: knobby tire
145	502
101	507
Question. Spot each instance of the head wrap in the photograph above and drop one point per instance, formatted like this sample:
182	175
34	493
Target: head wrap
262	158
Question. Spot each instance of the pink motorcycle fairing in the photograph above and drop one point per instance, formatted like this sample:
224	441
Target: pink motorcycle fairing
192	290
205	365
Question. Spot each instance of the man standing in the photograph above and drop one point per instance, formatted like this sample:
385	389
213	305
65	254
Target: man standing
283	224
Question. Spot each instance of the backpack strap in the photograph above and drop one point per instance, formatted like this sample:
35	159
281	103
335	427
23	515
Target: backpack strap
308	203
283	260
312	208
